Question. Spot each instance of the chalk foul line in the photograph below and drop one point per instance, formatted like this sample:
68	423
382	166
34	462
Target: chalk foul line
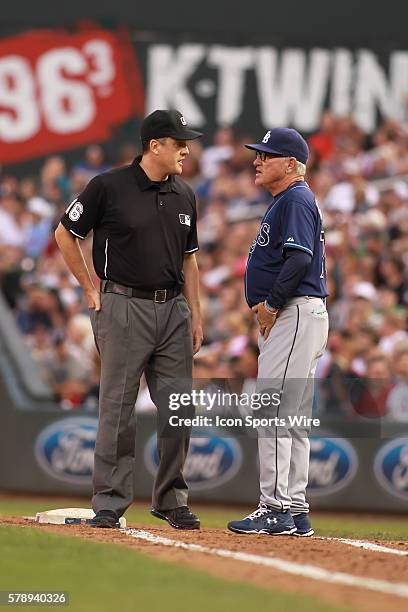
289	567
369	546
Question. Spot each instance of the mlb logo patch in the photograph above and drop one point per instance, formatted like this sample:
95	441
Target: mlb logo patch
185	219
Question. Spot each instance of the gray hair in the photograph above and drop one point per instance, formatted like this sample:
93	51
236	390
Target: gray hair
300	168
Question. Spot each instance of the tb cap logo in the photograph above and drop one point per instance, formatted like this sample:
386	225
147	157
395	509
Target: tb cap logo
183	121
266	137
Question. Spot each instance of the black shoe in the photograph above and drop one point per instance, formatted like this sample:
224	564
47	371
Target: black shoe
107	519
179	518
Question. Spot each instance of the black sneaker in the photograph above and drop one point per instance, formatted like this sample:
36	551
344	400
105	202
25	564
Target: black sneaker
107	519
179	518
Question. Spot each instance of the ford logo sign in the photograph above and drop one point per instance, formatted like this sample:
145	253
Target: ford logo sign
391	467
211	460
333	464
65	449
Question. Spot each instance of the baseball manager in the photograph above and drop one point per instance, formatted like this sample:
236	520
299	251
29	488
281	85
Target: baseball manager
285	285
146	316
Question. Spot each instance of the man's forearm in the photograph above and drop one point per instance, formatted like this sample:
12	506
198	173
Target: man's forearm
191	285
291	274
73	257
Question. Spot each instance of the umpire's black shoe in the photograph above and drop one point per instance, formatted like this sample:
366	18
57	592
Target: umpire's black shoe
107	519
179	518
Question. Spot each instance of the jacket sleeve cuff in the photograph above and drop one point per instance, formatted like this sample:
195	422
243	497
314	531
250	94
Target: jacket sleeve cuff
271	304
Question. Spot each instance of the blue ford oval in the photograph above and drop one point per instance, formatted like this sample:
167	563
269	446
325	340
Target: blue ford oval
333	464
65	449
391	467
211	460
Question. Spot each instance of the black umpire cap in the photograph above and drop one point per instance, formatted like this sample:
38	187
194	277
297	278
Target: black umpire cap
166	123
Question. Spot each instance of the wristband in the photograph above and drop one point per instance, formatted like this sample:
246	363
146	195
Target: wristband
270	309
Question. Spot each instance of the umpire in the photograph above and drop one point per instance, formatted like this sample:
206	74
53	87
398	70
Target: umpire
146	316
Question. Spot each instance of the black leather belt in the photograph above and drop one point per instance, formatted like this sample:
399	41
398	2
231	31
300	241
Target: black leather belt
156	295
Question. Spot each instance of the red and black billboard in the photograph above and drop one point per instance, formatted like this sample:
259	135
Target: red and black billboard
64	89
61	90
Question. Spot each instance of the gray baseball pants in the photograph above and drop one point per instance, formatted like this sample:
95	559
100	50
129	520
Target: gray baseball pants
287	364
133	336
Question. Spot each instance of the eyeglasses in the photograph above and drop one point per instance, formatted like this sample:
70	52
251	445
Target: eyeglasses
263	156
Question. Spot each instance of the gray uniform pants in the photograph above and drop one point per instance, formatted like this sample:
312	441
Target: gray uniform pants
287	363
133	336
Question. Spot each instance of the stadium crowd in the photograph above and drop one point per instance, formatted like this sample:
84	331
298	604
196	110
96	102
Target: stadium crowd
361	184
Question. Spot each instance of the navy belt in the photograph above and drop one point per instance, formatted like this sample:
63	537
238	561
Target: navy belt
156	295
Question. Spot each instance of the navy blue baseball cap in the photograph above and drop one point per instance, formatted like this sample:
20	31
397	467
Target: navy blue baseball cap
285	142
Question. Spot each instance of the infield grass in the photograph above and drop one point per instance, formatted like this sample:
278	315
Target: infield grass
107	577
343	525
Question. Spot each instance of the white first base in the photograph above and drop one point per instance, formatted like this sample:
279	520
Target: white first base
70	516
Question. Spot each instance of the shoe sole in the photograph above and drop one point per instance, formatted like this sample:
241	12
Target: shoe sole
163	517
105	524
306	534
263	531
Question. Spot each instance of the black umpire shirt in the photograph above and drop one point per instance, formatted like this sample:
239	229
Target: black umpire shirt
142	229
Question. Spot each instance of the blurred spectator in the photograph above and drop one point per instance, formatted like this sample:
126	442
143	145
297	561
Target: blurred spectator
397	403
93	164
14	221
375	388
39	308
338	376
81	340
392	330
127	154
219	152
67	376
364	342
54	180
324	141
39	229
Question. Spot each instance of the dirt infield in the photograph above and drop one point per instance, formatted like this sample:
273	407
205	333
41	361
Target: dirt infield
323	553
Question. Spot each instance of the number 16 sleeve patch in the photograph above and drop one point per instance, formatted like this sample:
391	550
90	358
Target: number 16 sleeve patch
84	213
